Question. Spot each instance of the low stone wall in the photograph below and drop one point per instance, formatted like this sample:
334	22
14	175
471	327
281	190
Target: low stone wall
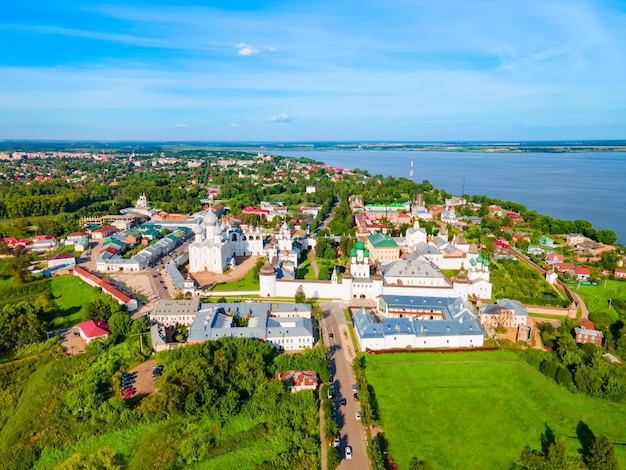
562	312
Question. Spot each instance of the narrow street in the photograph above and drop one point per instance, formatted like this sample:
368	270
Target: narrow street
341	355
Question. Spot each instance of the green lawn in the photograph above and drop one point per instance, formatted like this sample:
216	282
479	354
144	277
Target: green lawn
245	283
305	269
597	297
70	295
478	410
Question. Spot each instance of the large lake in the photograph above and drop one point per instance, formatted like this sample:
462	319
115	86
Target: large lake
588	186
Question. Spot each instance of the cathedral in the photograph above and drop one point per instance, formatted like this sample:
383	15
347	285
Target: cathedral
215	245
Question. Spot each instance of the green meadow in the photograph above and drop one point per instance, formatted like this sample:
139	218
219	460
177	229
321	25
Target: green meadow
70	297
478	410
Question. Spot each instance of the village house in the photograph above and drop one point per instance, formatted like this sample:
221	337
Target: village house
43	243
582	273
554	258
93	329
102	232
584	335
574	239
61	259
298	380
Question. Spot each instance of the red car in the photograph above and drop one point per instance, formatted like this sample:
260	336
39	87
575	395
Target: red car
128	392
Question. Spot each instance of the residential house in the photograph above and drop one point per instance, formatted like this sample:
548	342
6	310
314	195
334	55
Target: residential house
554	258
61	259
565	268
92	329
582	273
620	273
298	380
515	218
102	232
43	243
584	335
502	243
534	250
573	239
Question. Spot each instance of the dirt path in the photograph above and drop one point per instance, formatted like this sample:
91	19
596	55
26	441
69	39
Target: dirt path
316	270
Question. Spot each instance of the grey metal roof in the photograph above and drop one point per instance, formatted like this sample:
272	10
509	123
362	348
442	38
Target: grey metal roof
505	304
412	265
215	321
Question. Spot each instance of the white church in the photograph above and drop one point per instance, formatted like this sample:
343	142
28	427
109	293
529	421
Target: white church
216	244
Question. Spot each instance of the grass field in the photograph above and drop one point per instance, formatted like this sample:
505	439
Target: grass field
245	283
478	410
70	296
597	297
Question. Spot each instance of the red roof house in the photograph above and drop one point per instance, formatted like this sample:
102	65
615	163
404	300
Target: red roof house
553	258
298	380
91	329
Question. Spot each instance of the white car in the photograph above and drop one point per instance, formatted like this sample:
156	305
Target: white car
348	453
358	415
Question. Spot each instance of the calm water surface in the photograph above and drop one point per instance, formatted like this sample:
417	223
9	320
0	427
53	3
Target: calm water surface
586	186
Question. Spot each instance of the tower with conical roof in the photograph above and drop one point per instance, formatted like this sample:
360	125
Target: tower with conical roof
267	281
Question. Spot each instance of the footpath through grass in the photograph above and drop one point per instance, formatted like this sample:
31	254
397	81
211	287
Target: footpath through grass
478	410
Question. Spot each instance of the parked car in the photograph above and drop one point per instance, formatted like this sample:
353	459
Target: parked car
354	387
157	371
343	401
358	415
330	335
127	393
356	397
348	453
336	441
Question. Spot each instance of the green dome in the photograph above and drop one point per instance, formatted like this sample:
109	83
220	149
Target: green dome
353	252
359	245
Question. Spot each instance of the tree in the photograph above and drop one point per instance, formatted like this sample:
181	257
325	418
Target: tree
300	296
139	326
606	236
119	324
601	455
557	458
98	310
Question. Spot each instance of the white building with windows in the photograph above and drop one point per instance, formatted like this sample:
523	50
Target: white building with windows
453	324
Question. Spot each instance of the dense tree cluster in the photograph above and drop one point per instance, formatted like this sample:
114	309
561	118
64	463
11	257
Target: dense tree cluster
578	367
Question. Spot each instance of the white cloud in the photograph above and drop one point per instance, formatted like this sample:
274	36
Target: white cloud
246	50
272	49
282	117
182	125
234	125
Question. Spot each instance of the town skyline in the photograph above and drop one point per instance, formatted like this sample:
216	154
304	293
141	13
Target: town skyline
291	72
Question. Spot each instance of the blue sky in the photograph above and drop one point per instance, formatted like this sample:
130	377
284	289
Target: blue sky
325	70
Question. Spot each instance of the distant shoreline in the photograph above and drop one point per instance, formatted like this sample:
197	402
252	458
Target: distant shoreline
274	147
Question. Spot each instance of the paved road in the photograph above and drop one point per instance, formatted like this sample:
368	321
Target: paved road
340	358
